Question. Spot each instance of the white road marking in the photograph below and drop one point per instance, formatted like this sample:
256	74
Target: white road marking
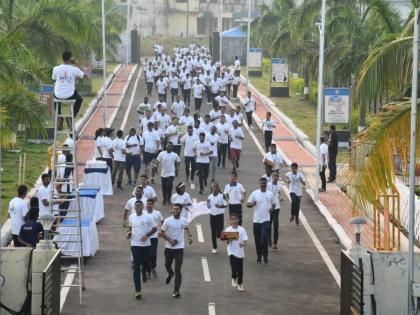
130	104
200	233
192	186
205	269
305	223
68	281
212	309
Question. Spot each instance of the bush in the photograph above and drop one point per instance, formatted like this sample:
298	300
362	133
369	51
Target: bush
313	92
297	85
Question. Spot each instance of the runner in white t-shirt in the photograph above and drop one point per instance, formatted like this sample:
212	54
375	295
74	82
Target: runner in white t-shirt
169	162
296	180
118	146
158	220
198	89
323	158
236	137
216	204
202	152
188	141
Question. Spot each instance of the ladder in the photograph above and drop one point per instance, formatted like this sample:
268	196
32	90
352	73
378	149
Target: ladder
63	112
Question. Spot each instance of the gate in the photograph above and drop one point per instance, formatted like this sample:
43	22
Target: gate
351	295
51	287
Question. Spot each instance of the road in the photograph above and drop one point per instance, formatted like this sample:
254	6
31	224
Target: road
296	281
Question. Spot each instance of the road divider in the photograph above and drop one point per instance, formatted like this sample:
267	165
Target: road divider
206	270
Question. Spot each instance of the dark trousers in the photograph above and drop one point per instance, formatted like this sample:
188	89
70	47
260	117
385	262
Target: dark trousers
162	96
140	259
237	73
167	185
236	208
268	138
149	88
208	93
221	153
132	162
178	256
109	163
197	102
189	161
295	205
16	242
323	178
203	174
261	238
174	92
119	167
332	165
235	91
76	106
237	266
249	118
274	226
214	95
216	226
228	89
152	254
186	95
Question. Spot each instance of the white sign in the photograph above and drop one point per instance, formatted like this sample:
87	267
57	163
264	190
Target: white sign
255	57
279	70
336	105
96	64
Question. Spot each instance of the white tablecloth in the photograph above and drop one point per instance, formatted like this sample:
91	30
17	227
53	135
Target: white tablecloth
90	239
92	207
98	178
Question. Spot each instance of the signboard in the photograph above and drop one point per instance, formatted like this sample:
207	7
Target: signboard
336	105
96	64
45	95
279	70
255	57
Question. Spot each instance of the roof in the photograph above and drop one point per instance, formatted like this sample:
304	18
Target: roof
234	32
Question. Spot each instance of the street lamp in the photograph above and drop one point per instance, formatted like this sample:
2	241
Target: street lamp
248	39
128	30
412	180
47	220
358	221
321	27
104	63
220	32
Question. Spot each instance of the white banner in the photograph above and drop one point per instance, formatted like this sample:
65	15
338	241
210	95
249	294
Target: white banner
279	70
337	105
255	57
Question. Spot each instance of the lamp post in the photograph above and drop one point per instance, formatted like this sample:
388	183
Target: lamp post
412	180
248	39
220	32
321	27
47	220
128	31
104	63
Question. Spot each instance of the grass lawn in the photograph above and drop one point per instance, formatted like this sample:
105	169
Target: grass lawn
303	113
36	156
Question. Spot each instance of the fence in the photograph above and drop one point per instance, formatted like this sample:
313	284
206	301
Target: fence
51	287
351	295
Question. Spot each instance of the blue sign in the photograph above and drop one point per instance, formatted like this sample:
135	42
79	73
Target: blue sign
278	61
44	89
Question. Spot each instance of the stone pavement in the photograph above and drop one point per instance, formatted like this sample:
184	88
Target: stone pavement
337	203
296	280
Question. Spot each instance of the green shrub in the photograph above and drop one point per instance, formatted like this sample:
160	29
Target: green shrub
297	85
313	92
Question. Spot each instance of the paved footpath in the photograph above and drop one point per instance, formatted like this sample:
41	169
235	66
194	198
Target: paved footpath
296	280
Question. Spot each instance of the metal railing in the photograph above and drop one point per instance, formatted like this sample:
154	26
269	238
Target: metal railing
51	287
351	295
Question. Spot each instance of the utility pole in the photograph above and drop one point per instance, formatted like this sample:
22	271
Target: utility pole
248	40
128	31
188	18
220	30
321	28
104	63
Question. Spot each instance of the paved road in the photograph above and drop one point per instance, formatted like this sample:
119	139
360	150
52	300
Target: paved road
296	280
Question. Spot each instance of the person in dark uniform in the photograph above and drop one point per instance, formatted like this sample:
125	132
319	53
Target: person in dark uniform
332	154
31	230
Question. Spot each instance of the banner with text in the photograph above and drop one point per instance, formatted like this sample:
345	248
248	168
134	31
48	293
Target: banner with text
336	105
255	57
279	70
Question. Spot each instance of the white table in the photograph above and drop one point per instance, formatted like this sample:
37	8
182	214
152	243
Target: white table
97	173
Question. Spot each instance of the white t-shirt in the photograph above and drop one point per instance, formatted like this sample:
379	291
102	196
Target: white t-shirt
265	201
174	138
214	86
151	139
131	204
275	189
98	144
17	211
295	185
234	193
206	127
69	141
65	80
174	82
198	90
268	125
237	64
174	228
233	247
149	192
140	226
164	120
277	159
202	147
235	142
249	104
188	142
223	130
118	145
183	199
157	218
106	145
239	117
137	141
161	86
43	194
167	163
212	139
187	83
323	149
216	200
144	121
187	120
178	108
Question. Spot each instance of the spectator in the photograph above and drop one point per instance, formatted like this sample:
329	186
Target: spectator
17	212
32	230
